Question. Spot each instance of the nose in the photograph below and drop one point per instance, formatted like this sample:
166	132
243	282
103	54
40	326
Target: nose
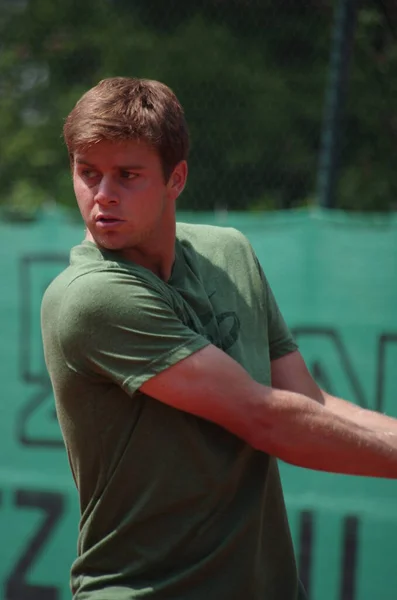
106	193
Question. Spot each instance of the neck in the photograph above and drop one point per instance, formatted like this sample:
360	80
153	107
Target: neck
158	258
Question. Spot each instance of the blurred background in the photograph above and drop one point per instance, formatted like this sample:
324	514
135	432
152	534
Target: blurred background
260	82
292	112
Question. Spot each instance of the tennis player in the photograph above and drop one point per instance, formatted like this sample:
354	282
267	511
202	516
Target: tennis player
177	382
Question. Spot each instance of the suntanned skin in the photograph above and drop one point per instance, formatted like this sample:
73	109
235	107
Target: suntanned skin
291	373
293	427
295	420
125	180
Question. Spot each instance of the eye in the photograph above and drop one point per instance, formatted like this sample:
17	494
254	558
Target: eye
89	173
128	175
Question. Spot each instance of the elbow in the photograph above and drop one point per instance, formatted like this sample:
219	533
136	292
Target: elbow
265	436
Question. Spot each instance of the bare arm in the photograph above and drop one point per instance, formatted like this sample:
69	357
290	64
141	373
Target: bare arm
291	426
291	373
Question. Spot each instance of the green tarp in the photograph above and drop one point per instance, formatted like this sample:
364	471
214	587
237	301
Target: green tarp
335	277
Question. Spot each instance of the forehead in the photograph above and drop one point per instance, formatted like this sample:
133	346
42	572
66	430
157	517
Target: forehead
118	153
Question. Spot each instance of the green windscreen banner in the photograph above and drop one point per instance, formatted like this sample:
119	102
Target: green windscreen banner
335	279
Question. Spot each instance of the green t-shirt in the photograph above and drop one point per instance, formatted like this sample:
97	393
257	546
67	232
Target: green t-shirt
172	506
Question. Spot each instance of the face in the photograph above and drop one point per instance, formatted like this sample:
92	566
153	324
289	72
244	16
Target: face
122	196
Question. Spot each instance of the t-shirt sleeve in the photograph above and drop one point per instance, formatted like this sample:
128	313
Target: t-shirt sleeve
281	341
117	327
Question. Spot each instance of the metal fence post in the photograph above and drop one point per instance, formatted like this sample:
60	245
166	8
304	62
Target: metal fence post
338	78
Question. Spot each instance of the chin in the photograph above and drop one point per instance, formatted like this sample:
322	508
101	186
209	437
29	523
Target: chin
109	242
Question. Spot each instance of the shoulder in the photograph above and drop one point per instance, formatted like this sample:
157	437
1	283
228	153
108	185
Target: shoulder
102	307
94	277
209	238
111	293
89	293
222	254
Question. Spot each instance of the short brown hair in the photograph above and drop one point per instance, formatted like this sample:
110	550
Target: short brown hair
123	108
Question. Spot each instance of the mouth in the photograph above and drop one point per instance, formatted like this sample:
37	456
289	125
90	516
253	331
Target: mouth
106	221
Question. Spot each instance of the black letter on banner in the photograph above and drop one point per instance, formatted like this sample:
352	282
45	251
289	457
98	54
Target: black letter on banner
36	271
305	549
349	559
16	587
330	334
384	340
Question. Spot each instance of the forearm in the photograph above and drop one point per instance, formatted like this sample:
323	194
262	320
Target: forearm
361	416
293	427
305	433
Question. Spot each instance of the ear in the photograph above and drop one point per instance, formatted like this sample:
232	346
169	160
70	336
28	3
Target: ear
177	180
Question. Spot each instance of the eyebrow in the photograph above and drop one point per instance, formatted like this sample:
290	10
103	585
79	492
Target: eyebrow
133	167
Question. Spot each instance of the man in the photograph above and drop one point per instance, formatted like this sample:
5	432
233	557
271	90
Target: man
162	342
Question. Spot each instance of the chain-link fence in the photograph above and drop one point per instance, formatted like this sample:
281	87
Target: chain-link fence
251	74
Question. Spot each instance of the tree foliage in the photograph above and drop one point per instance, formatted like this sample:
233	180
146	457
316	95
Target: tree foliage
251	75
